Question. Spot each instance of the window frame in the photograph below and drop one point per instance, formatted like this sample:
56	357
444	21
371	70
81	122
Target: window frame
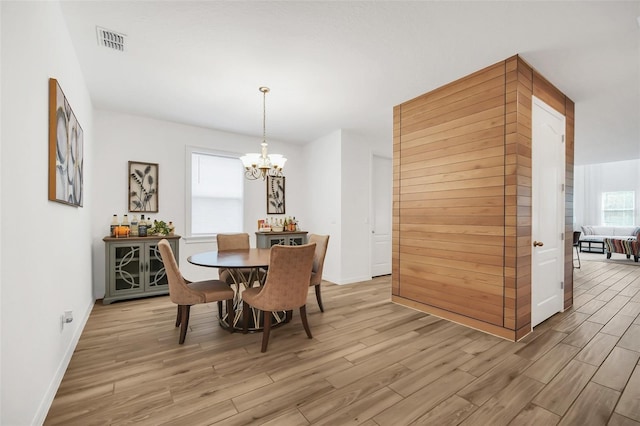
632	209
190	150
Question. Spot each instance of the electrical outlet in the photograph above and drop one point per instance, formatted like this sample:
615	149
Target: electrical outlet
67	317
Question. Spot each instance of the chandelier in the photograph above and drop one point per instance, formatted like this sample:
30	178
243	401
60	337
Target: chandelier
262	165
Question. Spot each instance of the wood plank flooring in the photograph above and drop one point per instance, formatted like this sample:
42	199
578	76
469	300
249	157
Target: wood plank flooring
370	362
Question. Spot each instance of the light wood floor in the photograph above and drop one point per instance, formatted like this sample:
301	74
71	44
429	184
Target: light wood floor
370	362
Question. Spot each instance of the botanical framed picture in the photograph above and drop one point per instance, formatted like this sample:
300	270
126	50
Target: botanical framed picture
275	195
143	187
66	156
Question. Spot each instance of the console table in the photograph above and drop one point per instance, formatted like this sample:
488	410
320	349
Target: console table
134	267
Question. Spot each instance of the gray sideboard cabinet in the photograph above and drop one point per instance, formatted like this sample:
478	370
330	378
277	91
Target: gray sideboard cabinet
290	238
134	267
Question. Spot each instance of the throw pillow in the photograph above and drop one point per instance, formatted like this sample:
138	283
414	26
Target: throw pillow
587	230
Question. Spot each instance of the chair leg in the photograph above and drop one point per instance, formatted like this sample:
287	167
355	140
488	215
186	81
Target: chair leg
578	255
319	297
178	315
184	322
266	331
305	324
231	315
289	316
245	317
220	309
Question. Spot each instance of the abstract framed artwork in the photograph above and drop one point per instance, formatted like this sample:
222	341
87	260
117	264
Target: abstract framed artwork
66	154
275	195
143	187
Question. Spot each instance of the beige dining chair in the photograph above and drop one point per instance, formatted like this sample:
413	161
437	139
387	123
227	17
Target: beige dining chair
185	293
285	289
322	241
228	242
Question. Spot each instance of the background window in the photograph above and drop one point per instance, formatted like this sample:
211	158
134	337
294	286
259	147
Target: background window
217	194
618	208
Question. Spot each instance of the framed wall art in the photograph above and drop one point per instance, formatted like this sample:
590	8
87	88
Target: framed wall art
66	156
275	195
143	187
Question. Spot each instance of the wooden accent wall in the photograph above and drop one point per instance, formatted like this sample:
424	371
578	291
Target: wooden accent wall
462	198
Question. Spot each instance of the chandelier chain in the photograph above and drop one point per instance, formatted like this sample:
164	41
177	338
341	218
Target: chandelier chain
264	91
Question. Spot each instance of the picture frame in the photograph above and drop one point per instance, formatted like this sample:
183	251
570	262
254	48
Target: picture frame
143	187
275	195
66	150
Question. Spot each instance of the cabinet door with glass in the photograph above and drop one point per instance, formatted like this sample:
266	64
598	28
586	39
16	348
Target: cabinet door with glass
126	269
155	276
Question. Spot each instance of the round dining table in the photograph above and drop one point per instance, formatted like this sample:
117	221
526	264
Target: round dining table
244	258
247	267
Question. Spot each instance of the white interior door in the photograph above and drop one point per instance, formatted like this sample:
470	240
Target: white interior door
547	233
381	204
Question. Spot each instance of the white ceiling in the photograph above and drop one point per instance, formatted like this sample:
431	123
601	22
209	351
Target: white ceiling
341	64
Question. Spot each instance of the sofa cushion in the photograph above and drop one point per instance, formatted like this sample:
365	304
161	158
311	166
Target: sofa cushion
598	230
610	231
623	230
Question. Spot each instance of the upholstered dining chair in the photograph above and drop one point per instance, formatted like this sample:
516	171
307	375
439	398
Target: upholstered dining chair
285	289
228	242
185	293
322	241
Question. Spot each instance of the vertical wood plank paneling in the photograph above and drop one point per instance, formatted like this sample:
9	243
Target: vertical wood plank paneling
570	144
462	198
523	193
511	192
395	226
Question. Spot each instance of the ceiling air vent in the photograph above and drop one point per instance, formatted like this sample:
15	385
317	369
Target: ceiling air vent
110	39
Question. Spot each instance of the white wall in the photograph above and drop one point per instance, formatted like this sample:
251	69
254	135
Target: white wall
590	181
338	181
322	159
356	228
46	261
123	137
0	211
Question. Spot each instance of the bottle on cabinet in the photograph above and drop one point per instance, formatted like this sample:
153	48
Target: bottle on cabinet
125	221
134	226
142	227
114	224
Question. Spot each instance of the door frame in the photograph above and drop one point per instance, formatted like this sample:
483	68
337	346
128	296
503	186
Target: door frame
537	102
371	219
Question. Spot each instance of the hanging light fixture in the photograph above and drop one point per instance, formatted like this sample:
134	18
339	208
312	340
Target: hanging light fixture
262	165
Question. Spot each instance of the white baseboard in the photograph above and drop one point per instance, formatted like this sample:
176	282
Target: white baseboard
351	280
47	400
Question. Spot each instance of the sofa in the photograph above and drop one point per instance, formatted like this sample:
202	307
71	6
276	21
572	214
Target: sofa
593	237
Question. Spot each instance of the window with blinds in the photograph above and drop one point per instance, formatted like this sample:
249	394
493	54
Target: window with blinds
216	194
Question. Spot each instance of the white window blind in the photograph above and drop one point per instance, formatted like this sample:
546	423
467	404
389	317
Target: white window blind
217	194
618	208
